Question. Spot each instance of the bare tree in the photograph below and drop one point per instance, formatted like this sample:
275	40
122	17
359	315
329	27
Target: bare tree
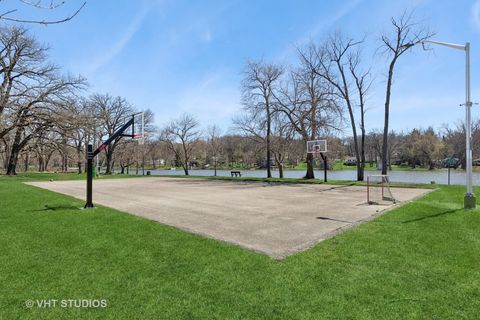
181	136
251	126
39	5
260	80
406	33
77	122
111	113
309	103
215	145
339	61
23	65
32	92
283	141
37	109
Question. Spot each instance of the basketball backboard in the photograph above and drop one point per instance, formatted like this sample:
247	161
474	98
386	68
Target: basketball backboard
316	146
138	127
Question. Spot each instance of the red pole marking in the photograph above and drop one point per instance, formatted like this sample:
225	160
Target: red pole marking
102	147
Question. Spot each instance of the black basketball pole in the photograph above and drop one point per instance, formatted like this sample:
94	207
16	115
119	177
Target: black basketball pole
325	166
90	156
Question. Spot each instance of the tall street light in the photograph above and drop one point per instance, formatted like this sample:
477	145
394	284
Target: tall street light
469	200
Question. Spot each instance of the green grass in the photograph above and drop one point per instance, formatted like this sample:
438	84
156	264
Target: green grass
419	261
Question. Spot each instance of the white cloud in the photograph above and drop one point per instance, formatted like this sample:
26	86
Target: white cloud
323	24
476	14
320	26
118	46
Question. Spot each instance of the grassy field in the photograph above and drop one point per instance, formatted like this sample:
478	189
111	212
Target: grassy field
419	261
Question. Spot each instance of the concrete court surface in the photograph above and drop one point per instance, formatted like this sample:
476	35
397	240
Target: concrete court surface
276	219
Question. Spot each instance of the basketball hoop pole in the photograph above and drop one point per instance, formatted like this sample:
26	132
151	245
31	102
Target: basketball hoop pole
92	154
325	166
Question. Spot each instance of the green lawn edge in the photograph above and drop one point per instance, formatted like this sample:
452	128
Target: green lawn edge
417	261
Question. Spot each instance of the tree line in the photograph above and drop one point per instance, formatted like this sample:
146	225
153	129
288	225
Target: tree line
325	91
46	119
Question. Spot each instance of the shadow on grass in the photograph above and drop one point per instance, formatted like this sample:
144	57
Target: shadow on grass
436	215
58	207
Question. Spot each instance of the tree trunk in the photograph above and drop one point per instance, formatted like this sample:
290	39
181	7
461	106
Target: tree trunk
280	170
12	162
269	169
26	161
79	157
65	163
310	174
362	144
355	136
387	115
357	157
46	161
109	161
40	162
14	153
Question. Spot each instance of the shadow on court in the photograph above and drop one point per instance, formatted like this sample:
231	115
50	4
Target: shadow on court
333	219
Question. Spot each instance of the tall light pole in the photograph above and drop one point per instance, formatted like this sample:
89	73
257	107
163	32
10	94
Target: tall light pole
469	201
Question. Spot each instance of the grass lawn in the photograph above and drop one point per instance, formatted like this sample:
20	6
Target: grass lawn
420	261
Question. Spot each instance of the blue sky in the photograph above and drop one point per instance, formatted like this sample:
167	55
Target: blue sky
187	56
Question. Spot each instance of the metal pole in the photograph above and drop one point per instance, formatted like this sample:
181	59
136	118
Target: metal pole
470	201
325	169
89	203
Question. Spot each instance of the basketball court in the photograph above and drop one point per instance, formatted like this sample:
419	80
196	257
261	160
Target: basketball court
275	219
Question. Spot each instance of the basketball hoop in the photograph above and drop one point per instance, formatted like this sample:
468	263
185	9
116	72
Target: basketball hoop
135	123
316	146
139	138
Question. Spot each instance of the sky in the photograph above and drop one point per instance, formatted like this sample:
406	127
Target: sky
177	56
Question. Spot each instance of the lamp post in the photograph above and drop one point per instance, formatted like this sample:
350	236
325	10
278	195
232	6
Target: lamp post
469	201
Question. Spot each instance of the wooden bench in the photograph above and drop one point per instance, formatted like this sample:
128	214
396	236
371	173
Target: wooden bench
236	173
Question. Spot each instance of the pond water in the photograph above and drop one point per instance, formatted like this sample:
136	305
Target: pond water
439	176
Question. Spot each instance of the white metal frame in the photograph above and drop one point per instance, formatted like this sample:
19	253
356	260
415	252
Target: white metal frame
315	146
383	185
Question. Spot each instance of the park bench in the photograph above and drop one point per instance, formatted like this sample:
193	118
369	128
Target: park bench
236	173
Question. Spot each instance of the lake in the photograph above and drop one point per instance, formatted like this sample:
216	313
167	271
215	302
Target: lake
439	176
